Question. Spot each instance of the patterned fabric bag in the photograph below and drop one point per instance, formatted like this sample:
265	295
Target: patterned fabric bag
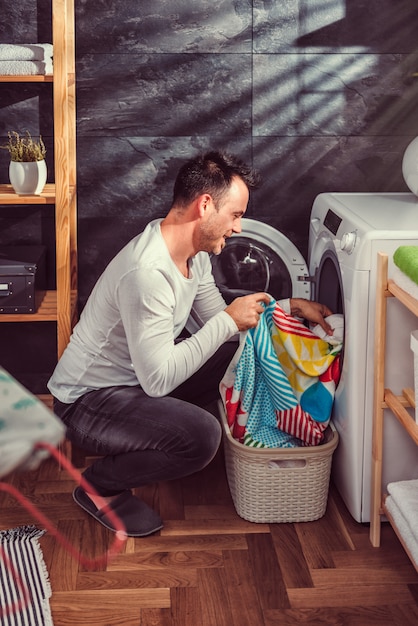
24	422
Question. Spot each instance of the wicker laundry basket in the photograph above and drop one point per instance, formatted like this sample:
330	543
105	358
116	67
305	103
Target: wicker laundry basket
270	485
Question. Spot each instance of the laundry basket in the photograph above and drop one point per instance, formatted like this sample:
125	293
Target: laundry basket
271	485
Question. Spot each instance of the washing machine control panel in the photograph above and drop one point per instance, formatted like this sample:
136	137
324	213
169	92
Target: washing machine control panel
348	242
332	221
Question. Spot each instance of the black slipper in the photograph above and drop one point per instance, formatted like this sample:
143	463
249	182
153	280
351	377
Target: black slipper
138	518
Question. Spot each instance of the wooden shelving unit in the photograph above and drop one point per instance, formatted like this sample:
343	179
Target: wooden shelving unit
59	305
386	399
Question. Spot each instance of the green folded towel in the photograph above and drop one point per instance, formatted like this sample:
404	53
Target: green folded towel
406	258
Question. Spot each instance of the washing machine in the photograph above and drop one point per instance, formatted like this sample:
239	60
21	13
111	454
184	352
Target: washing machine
347	230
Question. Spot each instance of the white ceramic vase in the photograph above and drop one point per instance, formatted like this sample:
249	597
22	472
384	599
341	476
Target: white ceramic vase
410	166
28	178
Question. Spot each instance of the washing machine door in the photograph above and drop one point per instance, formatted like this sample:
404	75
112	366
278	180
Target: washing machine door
325	272
260	258
327	285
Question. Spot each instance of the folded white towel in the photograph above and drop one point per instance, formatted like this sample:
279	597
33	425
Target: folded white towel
25	52
403	528
26	68
404	282
405	495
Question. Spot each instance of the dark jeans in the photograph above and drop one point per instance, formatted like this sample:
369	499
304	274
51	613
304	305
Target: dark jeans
142	439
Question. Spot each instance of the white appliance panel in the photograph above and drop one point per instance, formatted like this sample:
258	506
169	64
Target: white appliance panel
361	225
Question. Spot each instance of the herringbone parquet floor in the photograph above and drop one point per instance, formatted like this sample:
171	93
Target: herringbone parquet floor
209	567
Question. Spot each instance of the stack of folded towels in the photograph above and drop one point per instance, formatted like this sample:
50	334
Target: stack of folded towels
402	504
405	271
26	59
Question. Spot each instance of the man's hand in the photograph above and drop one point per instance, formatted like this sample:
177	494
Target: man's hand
246	310
311	311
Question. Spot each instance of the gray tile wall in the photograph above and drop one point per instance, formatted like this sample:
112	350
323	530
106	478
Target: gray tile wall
318	94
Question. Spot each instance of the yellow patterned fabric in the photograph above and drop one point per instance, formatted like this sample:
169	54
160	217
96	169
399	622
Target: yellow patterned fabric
301	354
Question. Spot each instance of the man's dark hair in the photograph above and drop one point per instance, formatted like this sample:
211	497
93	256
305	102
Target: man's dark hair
210	173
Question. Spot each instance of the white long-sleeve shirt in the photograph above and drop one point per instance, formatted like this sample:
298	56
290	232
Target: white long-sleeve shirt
138	307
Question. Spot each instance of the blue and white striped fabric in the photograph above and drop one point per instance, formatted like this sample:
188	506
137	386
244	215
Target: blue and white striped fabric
264	386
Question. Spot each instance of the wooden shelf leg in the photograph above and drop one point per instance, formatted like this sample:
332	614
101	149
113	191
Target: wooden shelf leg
378	399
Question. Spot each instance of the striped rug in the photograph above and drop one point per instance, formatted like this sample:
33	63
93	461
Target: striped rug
24	584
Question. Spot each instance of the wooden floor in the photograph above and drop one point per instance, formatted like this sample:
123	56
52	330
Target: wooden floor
209	567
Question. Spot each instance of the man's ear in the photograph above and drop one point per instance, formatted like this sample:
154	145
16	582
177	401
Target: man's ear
203	202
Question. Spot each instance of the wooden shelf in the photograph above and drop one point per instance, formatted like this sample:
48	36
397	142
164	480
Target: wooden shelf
8	196
408	422
47	311
403	296
44	78
394	526
48	195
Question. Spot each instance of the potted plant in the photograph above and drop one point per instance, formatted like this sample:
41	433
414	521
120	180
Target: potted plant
27	170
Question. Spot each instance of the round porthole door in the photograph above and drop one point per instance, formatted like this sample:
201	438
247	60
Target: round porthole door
260	258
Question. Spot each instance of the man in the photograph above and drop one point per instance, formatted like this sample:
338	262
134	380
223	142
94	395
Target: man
127	386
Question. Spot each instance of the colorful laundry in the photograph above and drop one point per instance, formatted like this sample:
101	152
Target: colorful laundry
278	390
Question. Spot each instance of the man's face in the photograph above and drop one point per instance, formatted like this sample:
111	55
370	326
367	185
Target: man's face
218	225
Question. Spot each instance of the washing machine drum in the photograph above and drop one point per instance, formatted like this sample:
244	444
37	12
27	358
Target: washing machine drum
260	258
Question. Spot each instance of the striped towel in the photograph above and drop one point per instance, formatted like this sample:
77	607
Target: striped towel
278	390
